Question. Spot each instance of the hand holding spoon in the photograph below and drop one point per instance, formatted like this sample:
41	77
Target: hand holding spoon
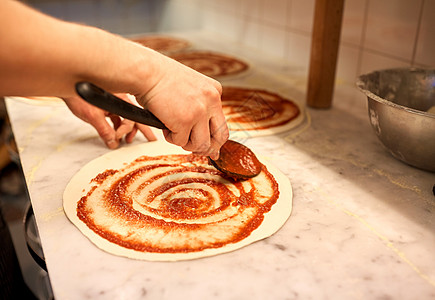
235	160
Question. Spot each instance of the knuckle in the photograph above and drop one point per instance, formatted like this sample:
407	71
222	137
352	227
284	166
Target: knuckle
199	107
212	94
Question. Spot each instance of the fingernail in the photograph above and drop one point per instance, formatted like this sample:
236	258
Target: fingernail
214	155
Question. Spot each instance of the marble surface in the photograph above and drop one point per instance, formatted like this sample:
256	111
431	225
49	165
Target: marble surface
362	226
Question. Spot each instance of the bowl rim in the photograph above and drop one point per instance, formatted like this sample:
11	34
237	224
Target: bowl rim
361	86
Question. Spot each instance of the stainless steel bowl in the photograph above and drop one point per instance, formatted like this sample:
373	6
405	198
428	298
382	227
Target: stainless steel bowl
400	104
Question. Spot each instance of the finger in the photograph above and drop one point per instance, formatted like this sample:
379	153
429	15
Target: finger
129	137
106	132
218	86
125	127
146	131
199	138
219	131
212	151
166	132
116	120
219	135
178	138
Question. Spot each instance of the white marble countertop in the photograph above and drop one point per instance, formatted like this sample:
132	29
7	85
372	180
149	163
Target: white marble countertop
362	226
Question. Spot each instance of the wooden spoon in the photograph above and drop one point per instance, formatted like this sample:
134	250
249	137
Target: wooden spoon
235	160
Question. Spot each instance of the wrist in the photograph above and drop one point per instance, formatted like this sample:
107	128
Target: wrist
136	69
112	62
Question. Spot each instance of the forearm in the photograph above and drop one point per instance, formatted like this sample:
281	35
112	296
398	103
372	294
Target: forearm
46	56
42	56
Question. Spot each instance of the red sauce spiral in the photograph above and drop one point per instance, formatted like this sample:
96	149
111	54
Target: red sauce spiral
175	204
254	109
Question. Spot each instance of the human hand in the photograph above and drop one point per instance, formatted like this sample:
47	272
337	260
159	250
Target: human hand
111	135
189	104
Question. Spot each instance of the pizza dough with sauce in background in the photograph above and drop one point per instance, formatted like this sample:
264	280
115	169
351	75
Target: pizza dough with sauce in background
162	43
157	202
253	112
211	63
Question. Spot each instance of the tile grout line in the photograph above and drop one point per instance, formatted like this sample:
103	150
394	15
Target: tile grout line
417	34
363	38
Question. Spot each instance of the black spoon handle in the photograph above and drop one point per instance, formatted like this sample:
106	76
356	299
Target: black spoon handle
109	102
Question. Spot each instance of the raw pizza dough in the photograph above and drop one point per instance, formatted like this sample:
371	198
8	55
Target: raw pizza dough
80	185
253	112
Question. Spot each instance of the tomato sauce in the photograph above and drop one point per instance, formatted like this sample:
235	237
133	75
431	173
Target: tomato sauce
188	190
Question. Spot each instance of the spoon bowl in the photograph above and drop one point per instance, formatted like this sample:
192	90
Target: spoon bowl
237	161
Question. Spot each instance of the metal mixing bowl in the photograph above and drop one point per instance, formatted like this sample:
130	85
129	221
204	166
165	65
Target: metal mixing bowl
398	105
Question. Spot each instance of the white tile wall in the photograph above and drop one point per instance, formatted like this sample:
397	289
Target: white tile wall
353	22
298	48
301	15
251	8
392	27
375	33
275	13
348	63
376	60
250	33
272	39
425	48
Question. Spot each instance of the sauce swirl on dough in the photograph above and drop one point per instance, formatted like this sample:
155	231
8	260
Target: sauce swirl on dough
175	204
211	63
255	109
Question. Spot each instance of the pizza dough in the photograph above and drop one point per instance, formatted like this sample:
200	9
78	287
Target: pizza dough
163	210
162	43
255	112
211	63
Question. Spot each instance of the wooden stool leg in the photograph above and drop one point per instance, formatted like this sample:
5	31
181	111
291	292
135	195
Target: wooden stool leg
328	17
